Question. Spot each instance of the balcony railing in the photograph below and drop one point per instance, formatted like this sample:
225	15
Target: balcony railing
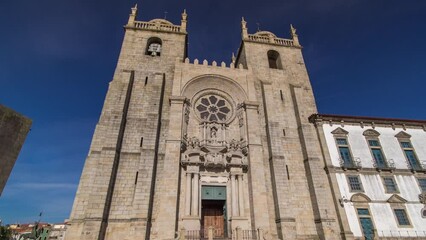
354	163
212	233
391	234
385	165
417	166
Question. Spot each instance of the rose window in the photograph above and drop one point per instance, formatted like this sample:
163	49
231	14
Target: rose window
213	108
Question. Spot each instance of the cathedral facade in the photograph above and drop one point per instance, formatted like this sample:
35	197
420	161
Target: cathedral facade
184	145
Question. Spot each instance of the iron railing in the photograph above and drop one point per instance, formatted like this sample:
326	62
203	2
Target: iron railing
416	166
354	163
384	165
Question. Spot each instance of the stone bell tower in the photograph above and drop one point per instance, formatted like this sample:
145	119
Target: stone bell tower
300	201
115	197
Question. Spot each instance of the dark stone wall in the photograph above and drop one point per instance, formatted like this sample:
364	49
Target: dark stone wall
13	130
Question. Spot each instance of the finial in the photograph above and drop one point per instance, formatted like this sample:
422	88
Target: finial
258	27
244	32
132	17
135	9
184	15
293	30
243	22
294	36
165	15
233	58
183	21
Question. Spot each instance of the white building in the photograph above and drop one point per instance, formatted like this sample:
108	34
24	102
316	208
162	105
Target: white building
377	170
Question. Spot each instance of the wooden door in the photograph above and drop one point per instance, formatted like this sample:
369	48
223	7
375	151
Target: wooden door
212	215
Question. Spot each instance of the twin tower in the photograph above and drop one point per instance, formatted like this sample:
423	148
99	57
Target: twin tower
185	146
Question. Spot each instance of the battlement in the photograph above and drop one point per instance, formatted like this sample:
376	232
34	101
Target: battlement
213	64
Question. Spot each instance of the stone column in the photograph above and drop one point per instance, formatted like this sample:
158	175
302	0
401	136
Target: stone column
240	194
195	194
234	196
188	194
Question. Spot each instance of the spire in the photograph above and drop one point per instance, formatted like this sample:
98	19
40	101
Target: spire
133	15
183	21
233	58
244	32
294	36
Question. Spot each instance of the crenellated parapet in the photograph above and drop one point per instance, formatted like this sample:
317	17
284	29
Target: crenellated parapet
213	64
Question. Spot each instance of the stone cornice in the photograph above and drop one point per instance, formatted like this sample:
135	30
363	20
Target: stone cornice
370	171
364	121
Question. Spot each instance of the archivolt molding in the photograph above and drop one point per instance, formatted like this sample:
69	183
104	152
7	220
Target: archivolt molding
213	81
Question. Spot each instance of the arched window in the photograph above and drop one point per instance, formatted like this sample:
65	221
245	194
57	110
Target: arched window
274	60
153	47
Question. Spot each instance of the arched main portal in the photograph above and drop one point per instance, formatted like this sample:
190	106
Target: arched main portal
214	155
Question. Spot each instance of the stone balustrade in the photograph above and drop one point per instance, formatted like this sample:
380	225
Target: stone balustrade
272	40
157	26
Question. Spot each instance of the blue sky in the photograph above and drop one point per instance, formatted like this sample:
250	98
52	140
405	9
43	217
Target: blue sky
56	58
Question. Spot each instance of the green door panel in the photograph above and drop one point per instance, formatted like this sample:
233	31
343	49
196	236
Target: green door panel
213	193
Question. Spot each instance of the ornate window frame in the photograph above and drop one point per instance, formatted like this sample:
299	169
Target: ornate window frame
362	201
373	135
404	137
340	133
398	203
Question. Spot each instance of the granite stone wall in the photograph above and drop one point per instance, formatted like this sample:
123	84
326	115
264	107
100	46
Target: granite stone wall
13	130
